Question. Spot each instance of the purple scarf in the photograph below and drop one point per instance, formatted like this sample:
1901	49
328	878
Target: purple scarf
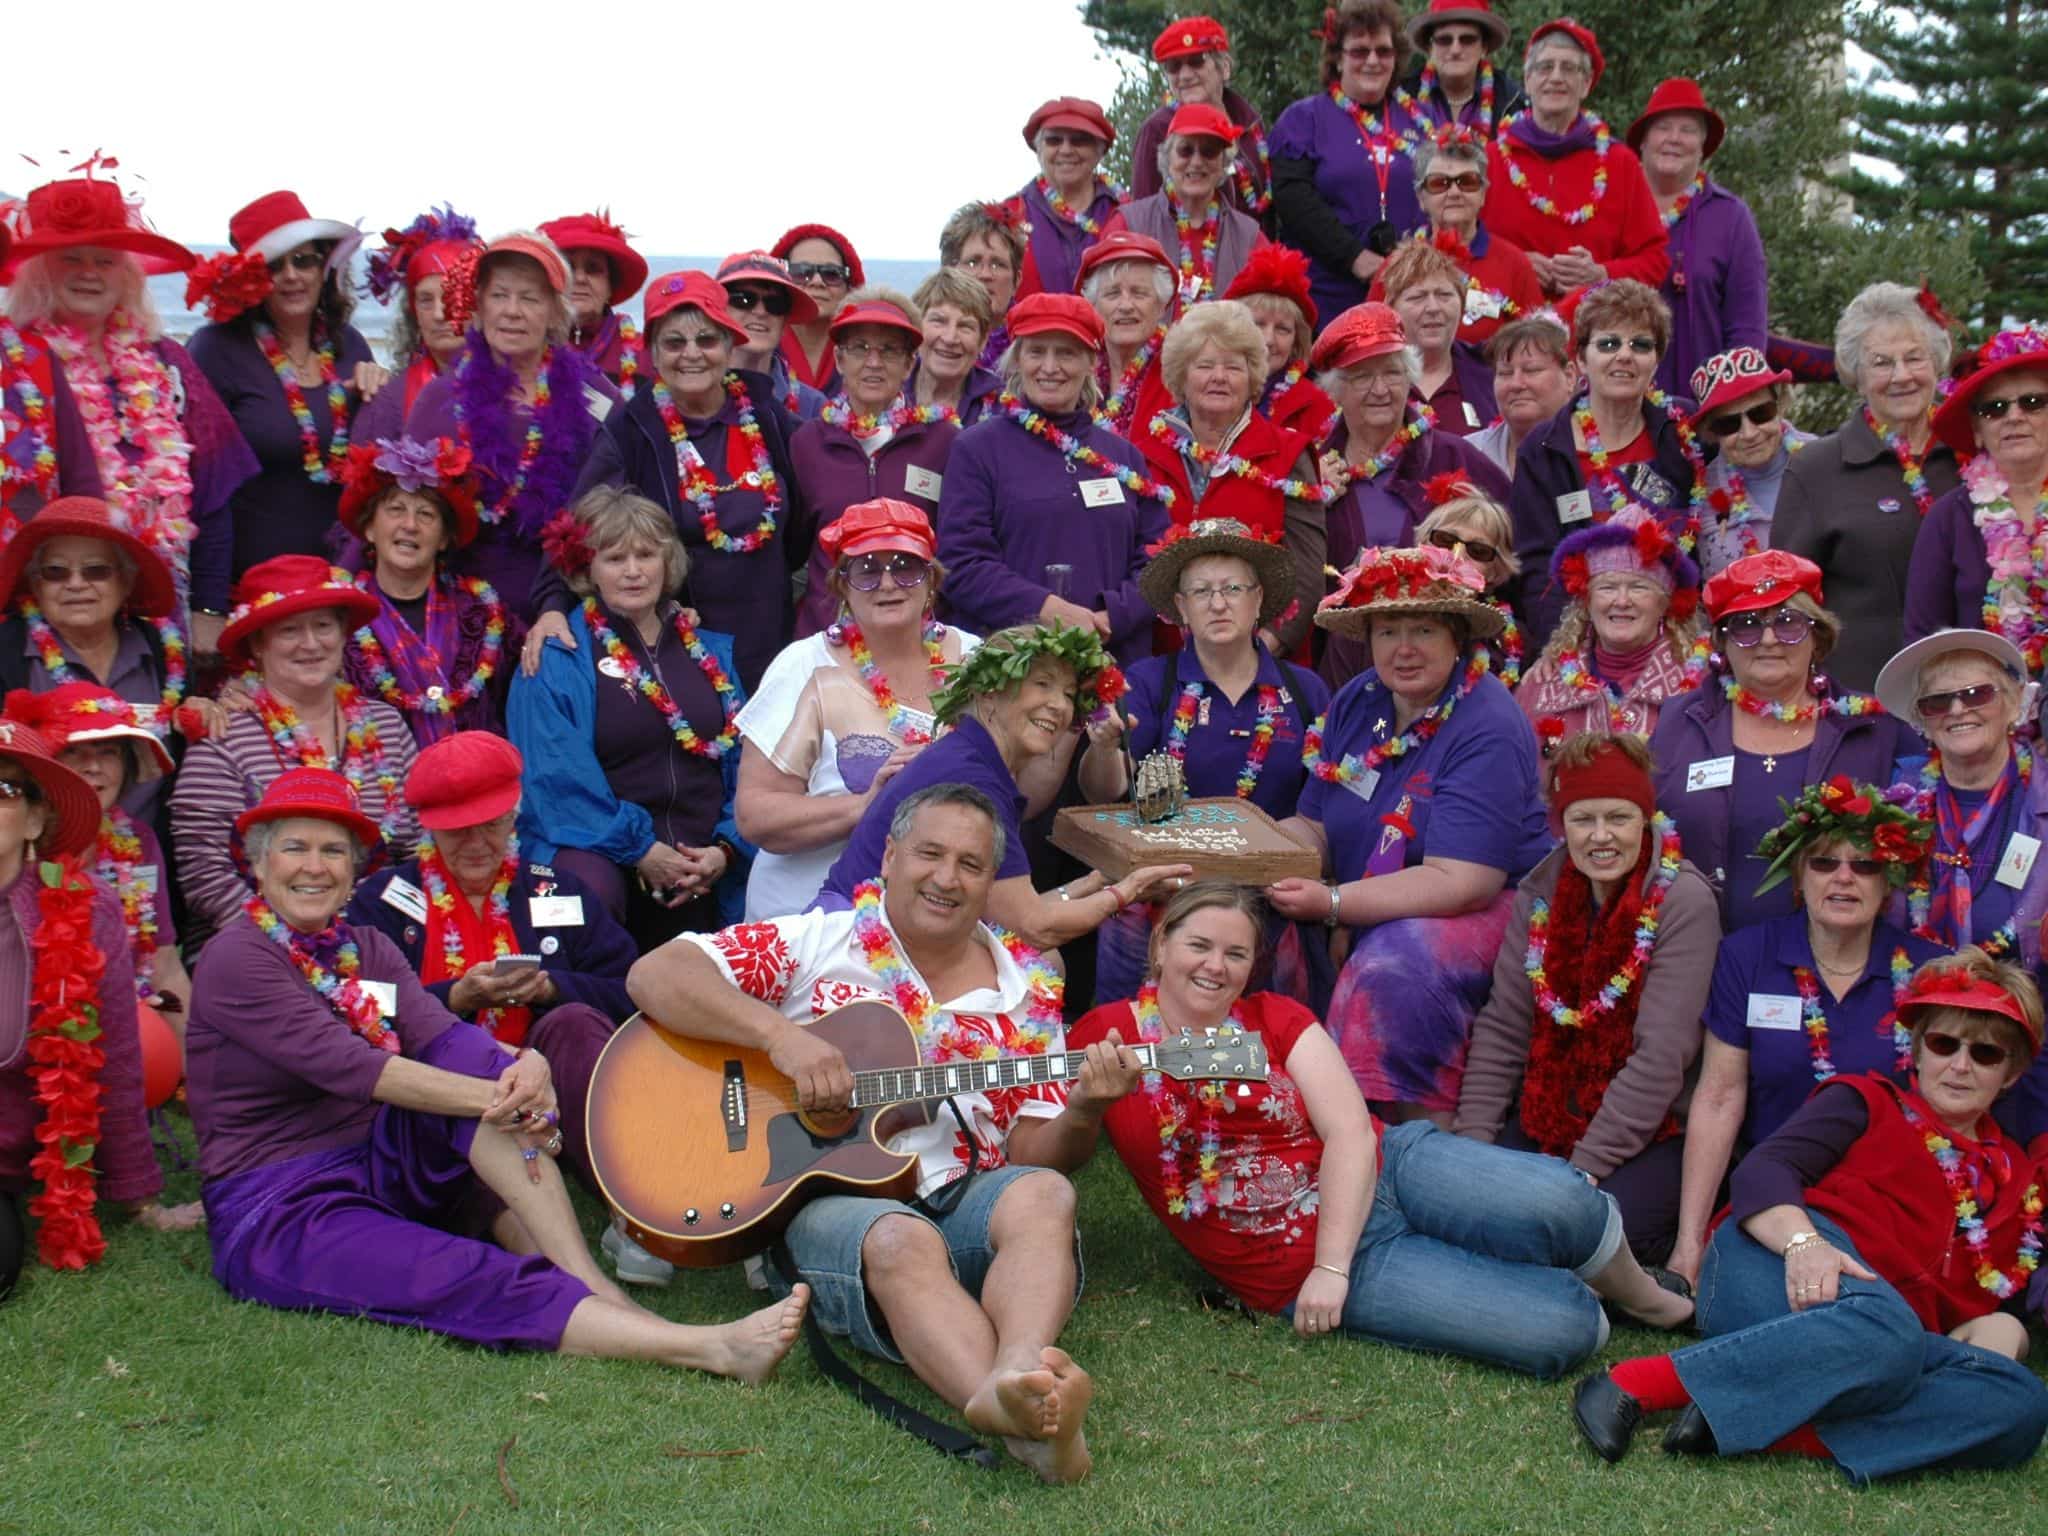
421	661
496	431
1551	146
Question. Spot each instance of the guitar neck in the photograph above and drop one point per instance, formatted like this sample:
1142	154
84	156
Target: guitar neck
904	1085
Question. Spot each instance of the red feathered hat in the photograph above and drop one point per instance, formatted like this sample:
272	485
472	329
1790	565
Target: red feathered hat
1278	270
856	275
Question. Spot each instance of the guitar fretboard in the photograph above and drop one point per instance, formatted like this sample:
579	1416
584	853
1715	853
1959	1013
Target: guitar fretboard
901	1085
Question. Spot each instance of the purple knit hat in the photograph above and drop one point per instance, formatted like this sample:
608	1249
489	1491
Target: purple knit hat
1629	541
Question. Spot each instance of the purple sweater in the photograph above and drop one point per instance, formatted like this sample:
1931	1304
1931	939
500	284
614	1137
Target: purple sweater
1949	571
834	472
1718	289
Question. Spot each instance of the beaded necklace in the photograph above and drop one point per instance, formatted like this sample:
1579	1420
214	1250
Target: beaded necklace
1843	706
1623	981
446	696
1428	84
1119	403
1074	451
1197	250
120	855
1183	721
1816	1022
320	470
1220	462
1912	464
1354	768
338	987
2017	554
1684	200
362	747
1603	141
50	652
497	915
1420	419
36	415
2002	1283
702	489
643	681
1210	1102
1081	221
898	714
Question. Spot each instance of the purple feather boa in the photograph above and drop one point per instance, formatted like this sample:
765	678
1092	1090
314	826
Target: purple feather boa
496	434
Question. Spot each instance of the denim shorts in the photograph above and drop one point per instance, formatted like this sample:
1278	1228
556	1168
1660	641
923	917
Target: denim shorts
825	1240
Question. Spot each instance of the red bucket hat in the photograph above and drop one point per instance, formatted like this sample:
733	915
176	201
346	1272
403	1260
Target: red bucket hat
1277	270
319	793
277	222
464	780
1190	35
2024	347
872	527
876	312
1678	94
74	713
74	822
1728	376
691	290
1119	245
1201	119
596	232
1066	313
1762	580
87	517
61	214
1579	33
440	465
1363	331
1075	112
284	585
856	274
760	267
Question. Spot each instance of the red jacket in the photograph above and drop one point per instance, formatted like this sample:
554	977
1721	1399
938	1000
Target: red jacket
1304	408
1625	234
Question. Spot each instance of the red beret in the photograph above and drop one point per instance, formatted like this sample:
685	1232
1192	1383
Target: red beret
464	780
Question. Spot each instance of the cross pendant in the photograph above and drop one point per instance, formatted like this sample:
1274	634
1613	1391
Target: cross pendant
1770	765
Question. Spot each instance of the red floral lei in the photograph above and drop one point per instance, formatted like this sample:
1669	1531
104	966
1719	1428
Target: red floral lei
65	1058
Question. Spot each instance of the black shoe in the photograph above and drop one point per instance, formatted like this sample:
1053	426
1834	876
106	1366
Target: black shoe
1670	1279
1606	1415
1691	1435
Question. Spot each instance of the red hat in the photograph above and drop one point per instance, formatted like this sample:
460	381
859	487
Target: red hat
596	232
1075	112
1949	987
1579	33
856	275
533	248
870	527
1728	376
1278	270
1442	12
284	585
87	517
1119	245
691	290
319	793
1762	580
1190	35
427	247
464	780
440	465
1678	94
2025	346
73	713
1067	313
760	267
1611	775
1363	331
86	211
74	821
876	312
6	237
1202	119
277	222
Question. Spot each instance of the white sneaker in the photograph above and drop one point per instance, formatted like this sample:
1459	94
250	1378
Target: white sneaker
633	1264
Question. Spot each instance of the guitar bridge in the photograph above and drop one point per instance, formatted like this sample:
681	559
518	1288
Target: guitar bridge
734	1105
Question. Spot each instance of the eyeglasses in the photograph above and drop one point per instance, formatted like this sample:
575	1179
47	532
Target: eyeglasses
1478	549
1976	696
832	274
987	262
776	301
864	351
1366	53
1642	346
674	343
1464	181
1991	410
864	573
1617	584
1546	67
1828	863
1982	1052
1787	626
98	572
299	261
1756	416
1209	591
1052	138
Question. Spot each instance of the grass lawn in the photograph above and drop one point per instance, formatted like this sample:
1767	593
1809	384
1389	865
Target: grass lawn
137	1398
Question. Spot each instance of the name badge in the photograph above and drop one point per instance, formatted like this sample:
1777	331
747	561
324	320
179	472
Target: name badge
919	720
1101	493
922	482
1480	305
145	878
1471	416
385	994
1710	773
1773	1010
555	911
597	402
2020	853
407	898
1364	785
1575	507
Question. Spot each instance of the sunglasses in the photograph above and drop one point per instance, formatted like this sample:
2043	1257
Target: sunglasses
864	573
1365	54
832	274
1991	410
1478	549
1747	629
1451	39
1464	181
1730	424
1052	138
775	300
300	261
97	572
1642	346
1976	696
1828	863
1982	1052
1199	149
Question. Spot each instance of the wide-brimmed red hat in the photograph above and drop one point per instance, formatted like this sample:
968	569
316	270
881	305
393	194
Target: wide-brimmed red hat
277	222
691	290
1066	313
284	585
876	312
1191	34
1579	33
75	713
1075	112
2024	346
871	527
1678	94
856	274
1280	271
74	820
1200	120
596	232
1441	12
760	267
1728	376
1121	245
87	517
439	465
317	793
1367	330
86	211
1762	580
464	780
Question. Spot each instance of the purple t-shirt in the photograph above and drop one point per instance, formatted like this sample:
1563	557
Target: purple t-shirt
964	755
1220	741
1753	810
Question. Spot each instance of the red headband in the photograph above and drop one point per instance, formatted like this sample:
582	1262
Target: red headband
1947	989
1609	776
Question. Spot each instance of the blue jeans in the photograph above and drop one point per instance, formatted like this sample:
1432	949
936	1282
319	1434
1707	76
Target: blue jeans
1473	1250
1883	1393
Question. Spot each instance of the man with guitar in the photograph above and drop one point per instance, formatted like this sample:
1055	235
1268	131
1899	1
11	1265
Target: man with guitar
971	1284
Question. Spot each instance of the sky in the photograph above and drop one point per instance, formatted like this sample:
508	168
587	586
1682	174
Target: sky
705	128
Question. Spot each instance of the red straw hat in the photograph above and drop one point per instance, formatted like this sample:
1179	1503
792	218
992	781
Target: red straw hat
440	465
1579	33
596	232
872	527
1066	313
1443	12
319	793
277	222
1119	245
691	290
464	780
1363	331
1678	94
1199	119
856	275
74	820
760	267
1075	112
876	312
1277	270
61	214
2023	347
73	713
87	517
1762	580
1728	376
1190	35
284	585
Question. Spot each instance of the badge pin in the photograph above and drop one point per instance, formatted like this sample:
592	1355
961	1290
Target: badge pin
550	944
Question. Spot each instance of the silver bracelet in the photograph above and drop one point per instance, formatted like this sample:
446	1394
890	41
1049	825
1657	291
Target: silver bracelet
1331	920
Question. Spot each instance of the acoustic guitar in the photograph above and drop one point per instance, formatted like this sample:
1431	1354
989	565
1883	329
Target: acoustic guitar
703	1151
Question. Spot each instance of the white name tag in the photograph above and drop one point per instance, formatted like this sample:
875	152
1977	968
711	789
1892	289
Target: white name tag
145	878
922	482
1575	507
1364	785
555	911
2020	853
918	720
1710	773
1480	305
408	898
1471	416
1773	1010
597	402
385	994
1101	493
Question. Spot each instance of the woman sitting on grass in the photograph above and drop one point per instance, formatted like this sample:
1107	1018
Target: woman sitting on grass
1410	1215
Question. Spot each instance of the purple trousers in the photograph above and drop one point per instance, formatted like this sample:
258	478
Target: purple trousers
363	1230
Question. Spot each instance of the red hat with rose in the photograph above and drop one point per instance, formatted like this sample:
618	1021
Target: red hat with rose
1839	810
440	467
1426	580
88	210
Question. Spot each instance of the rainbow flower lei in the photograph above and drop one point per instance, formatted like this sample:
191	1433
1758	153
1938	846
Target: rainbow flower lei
629	358
1381	138
1618	986
1815	1021
1254	192
1196	261
1920	894
876	683
51	654
839	412
1603	142
362	746
650	687
339	988
2002	1283
1509	646
36	414
1074	451
1575	675
318	470
493	512
441	899
1122	399
1420	419
1213	1099
2016	596
1685	199
1081	221
447	696
1846	705
701	488
120	853
1428	83
1183	721
1177	434
1418	734
1614	491
1912	465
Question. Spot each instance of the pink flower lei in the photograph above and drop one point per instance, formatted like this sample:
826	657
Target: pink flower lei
2016	596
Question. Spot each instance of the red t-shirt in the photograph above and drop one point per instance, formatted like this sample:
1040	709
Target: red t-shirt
1259	1238
1641	449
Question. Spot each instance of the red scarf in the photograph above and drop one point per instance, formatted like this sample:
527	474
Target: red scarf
478	933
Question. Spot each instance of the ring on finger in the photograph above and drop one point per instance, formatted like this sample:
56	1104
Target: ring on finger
554	1143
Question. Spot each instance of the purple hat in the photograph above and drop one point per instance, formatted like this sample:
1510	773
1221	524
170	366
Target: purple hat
1628	541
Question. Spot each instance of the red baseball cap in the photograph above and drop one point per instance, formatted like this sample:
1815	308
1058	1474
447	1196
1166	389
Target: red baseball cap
1678	94
1762	580
1067	313
1200	118
1579	33
1190	35
1363	331
691	290
1075	112
464	780
1119	245
319	793
596	232
871	527
876	312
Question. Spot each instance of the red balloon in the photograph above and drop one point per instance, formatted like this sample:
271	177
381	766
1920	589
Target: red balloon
163	1064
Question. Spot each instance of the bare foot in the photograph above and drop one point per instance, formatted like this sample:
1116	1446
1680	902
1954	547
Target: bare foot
756	1343
1060	1455
1023	1404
